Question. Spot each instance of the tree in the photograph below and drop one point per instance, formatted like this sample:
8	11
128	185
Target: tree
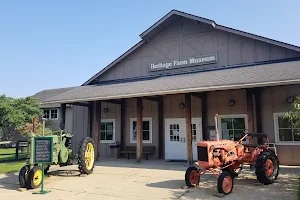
16	112
294	114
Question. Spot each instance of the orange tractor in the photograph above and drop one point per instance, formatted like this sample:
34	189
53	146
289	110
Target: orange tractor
224	158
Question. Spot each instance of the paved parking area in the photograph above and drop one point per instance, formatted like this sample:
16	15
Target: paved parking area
124	179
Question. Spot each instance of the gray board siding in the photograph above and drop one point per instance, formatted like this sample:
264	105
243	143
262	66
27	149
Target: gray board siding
185	38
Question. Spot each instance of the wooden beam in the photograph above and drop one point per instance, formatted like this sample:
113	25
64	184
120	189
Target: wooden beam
113	101
204	116
155	98
161	133
80	104
123	118
250	113
90	118
96	120
63	108
198	95
139	122
188	120
258	115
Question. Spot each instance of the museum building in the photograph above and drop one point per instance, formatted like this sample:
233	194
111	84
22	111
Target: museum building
187	75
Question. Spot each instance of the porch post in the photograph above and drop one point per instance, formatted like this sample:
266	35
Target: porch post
188	120
250	113
139	121
90	108
204	115
258	116
123	116
63	108
161	127
96	125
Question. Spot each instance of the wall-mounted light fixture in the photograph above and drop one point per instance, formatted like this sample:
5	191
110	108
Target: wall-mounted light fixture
181	105
290	99
231	102
105	110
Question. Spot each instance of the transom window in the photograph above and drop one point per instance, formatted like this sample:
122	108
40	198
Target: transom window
285	129
146	130
174	132
51	114
232	126
107	130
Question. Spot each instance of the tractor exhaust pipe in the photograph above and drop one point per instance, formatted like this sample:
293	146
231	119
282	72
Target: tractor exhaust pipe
217	128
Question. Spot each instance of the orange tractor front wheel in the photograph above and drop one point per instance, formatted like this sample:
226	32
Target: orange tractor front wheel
192	176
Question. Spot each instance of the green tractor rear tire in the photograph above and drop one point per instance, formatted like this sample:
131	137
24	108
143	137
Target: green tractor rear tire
23	176
86	156
34	179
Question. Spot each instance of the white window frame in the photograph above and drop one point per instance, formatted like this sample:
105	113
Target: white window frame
51	109
276	130
114	130
245	116
150	130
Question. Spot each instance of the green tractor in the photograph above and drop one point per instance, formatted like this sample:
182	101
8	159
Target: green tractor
30	175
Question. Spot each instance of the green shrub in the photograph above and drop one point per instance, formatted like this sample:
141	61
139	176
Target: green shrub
298	194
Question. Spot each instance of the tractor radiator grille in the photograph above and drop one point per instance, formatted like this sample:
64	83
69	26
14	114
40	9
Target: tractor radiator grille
202	154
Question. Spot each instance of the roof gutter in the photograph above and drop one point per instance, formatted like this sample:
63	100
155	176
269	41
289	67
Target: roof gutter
176	91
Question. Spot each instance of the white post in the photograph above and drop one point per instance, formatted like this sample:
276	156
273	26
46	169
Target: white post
217	128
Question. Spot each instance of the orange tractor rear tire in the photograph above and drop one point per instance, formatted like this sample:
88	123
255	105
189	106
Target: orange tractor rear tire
267	167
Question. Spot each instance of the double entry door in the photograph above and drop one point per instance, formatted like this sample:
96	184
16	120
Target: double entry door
175	138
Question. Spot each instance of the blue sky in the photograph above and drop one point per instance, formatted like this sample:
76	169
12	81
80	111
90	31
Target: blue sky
54	44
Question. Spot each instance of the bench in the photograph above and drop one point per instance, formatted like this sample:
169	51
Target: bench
132	150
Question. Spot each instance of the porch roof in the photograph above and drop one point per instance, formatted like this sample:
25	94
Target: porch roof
233	77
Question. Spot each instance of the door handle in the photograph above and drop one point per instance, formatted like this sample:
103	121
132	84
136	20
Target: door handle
183	139
180	139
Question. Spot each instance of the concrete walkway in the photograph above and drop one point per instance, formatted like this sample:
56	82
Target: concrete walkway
124	179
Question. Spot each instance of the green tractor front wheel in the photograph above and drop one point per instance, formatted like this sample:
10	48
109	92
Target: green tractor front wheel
34	179
23	176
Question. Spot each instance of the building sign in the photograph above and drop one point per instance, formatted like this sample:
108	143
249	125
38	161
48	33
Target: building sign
201	60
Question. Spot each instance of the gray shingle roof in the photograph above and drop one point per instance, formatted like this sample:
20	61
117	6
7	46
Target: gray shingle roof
46	94
227	78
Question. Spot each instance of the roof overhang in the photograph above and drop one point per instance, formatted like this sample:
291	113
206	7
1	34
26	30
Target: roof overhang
180	91
271	74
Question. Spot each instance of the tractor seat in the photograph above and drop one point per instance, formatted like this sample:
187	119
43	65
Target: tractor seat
253	145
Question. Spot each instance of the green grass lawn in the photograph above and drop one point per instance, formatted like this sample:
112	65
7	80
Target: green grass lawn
11	166
12	152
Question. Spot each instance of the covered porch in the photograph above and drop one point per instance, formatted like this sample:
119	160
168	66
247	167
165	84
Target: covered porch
193	85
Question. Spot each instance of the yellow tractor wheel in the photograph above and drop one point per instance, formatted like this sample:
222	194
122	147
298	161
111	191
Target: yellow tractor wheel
34	179
86	156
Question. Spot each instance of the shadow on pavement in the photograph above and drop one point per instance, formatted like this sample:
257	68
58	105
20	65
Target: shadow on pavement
10	181
145	164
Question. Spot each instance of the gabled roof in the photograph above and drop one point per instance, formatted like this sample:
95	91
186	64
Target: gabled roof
235	77
175	13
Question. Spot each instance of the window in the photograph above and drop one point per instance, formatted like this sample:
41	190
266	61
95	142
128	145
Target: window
146	130
232	126
174	132
285	130
107	131
51	114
